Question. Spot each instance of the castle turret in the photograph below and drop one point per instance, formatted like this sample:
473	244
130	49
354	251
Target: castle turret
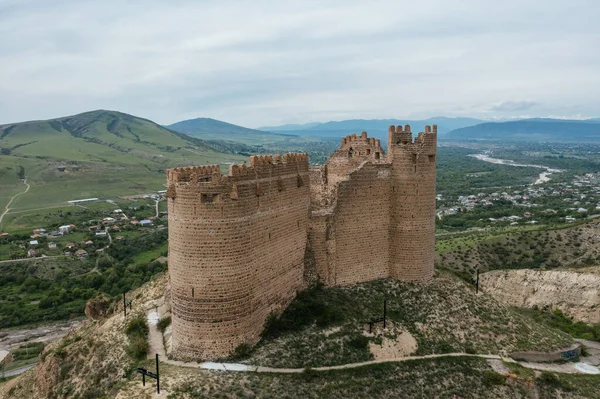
412	233
236	250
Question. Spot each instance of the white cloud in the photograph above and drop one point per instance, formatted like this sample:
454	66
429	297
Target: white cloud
264	62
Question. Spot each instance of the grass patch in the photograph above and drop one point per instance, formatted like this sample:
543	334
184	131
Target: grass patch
137	332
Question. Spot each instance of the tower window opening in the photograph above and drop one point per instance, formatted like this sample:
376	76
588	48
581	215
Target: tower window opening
351	153
377	155
368	151
208	198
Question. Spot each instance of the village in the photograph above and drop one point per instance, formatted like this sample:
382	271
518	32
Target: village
547	203
85	227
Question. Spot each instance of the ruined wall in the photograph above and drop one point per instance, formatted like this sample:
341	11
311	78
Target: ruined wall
354	151
360	226
236	250
412	248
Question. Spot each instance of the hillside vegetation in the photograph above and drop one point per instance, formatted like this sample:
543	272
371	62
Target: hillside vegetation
574	246
94	154
324	327
99	358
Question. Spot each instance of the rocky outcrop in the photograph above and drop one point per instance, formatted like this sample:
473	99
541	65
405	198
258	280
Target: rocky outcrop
576	293
47	377
97	308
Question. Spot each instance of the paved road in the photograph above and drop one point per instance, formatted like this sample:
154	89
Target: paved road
20	370
7	208
38	258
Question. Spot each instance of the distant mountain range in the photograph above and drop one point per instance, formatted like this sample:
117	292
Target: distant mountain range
535	130
212	129
374	127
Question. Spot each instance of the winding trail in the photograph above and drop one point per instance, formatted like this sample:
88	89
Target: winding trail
7	208
155	342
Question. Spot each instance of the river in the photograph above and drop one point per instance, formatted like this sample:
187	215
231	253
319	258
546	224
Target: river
543	178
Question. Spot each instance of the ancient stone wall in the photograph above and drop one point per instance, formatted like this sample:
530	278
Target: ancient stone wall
238	244
354	151
359	228
412	248
236	250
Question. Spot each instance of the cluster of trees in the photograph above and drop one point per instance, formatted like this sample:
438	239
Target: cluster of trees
31	298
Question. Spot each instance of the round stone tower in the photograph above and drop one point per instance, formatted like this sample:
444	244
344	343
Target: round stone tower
412	235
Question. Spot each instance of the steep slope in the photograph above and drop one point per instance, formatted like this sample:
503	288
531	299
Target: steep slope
575	291
212	129
95	359
540	130
97	136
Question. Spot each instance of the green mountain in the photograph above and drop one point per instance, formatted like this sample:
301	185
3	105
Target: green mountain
539	129
212	129
95	154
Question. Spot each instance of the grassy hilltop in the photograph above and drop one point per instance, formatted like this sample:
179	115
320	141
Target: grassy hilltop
94	154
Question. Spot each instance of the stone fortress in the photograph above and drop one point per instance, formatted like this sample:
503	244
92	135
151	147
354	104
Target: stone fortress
242	245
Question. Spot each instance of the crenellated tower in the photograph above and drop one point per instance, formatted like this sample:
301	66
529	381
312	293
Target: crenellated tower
236	250
412	232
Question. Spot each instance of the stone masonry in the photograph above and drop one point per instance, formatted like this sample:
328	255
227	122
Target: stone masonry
238	243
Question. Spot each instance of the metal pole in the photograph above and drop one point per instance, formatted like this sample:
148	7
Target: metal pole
477	283
143	379
124	306
384	311
157	377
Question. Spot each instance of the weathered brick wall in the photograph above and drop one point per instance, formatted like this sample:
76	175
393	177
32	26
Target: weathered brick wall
352	153
361	226
236	250
412	248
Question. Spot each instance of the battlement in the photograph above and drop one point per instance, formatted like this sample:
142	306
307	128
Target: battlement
191	173
425	142
363	139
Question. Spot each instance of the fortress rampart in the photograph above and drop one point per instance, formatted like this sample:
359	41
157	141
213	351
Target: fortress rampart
237	242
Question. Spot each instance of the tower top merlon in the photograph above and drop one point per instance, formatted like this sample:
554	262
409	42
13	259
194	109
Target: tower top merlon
425	142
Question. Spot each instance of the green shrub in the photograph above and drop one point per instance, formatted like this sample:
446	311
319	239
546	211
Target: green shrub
137	332
137	326
359	342
163	323
242	351
548	378
137	348
491	378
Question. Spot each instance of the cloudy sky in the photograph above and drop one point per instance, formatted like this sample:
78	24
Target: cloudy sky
271	62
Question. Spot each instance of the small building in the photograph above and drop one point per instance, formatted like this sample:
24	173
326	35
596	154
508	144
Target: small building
81	201
119	238
71	245
101	233
145	222
2	235
33	242
66	229
39	231
52	245
31	253
56	234
118	211
89	242
81	254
